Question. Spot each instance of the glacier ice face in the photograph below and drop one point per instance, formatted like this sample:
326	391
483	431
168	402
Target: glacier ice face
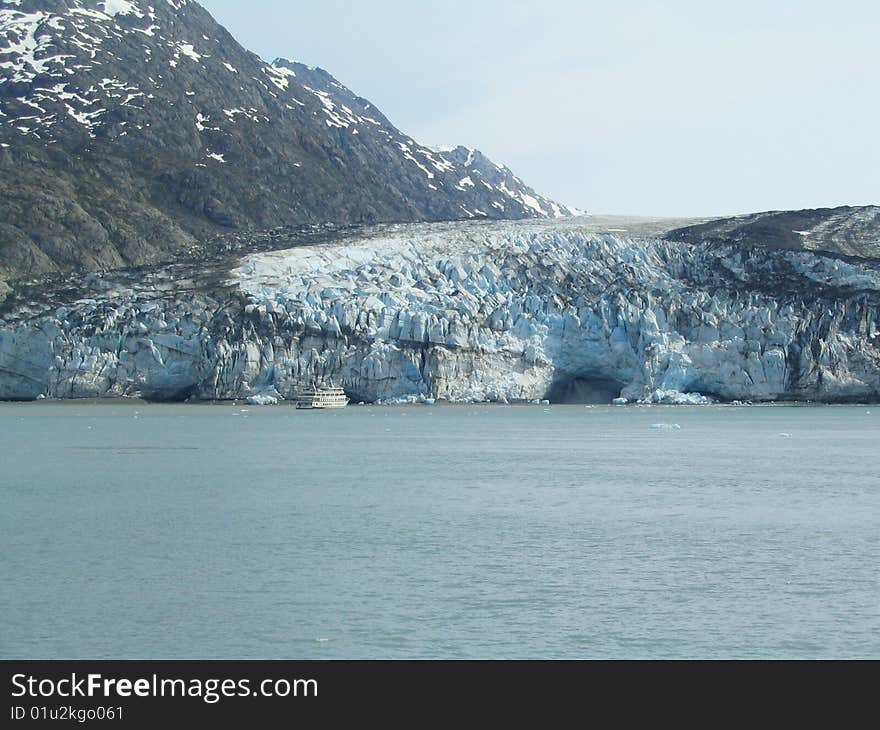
475	312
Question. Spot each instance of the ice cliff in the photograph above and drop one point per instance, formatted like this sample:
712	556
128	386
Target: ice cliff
466	312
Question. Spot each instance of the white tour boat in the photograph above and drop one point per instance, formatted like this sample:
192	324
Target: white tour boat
322	398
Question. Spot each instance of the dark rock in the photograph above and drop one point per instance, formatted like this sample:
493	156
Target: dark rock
849	231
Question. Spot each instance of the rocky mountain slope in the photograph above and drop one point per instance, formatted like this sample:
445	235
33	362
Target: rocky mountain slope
463	312
851	231
134	130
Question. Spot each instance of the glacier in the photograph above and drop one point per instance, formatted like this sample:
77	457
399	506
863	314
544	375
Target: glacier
464	312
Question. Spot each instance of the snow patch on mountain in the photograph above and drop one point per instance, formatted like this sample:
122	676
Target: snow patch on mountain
121	7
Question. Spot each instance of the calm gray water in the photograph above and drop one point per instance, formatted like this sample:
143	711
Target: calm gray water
146	531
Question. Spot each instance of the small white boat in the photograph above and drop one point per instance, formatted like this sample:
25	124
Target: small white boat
321	398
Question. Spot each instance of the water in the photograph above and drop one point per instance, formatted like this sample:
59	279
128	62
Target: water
145	531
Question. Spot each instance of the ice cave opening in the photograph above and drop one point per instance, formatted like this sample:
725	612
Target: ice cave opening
583	390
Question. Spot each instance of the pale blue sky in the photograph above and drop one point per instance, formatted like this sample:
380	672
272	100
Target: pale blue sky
658	108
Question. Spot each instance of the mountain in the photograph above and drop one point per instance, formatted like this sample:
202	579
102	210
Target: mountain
850	231
131	131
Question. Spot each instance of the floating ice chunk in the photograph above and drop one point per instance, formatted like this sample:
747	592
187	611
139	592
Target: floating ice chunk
619	402
677	398
262	400
666	426
785	435
404	400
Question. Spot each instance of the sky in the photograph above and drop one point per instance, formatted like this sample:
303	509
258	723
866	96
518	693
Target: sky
673	108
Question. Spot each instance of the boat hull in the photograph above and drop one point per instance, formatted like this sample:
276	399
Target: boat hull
319	406
320	399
